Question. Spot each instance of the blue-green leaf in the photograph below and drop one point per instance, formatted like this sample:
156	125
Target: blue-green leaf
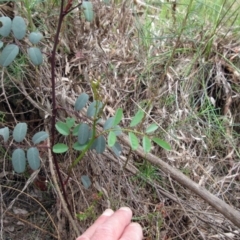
117	149
6	26
88	10
19	132
117	130
39	137
146	144
112	139
1	44
60	148
94	108
81	101
86	181
19	27
151	128
8	55
83	133
109	123
35	37
35	55
137	118
133	141
4	132
33	158
99	144
62	128
19	160
162	143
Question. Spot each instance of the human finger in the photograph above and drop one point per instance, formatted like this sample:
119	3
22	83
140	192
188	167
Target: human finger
133	231
90	231
114	226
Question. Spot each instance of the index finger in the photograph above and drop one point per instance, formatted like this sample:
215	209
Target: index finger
114	226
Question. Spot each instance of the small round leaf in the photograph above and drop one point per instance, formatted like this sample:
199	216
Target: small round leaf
146	144
60	148
117	149
112	139
83	133
94	108
4	132
6	26
33	158
133	140
109	123
88	10
35	55
99	144
19	27
35	37
62	128
137	118
162	143
19	132
86	181
39	137
78	147
152	128
19	160
118	116
8	55
81	101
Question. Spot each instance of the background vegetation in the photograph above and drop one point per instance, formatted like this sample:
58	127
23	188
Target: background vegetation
176	60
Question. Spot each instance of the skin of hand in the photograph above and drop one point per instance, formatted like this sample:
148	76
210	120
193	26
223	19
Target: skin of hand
114	226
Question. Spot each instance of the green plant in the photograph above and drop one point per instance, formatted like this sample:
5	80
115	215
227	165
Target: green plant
91	132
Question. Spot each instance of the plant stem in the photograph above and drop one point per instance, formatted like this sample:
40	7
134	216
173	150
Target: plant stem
54	107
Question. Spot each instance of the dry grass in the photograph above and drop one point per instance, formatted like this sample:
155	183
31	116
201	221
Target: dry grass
182	72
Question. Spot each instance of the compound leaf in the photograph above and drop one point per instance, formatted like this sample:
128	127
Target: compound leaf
70	122
62	128
60	148
133	140
86	181
19	160
151	128
81	101
162	143
83	133
146	142
33	158
35	55
4	132
88	10
6	26
8	54
117	149
35	37
112	139
99	144
19	27
39	137
19	132
118	116
137	118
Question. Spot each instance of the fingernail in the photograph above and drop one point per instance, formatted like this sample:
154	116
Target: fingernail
125	209
108	212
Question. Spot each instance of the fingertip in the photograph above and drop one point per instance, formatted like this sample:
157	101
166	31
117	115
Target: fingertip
108	212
